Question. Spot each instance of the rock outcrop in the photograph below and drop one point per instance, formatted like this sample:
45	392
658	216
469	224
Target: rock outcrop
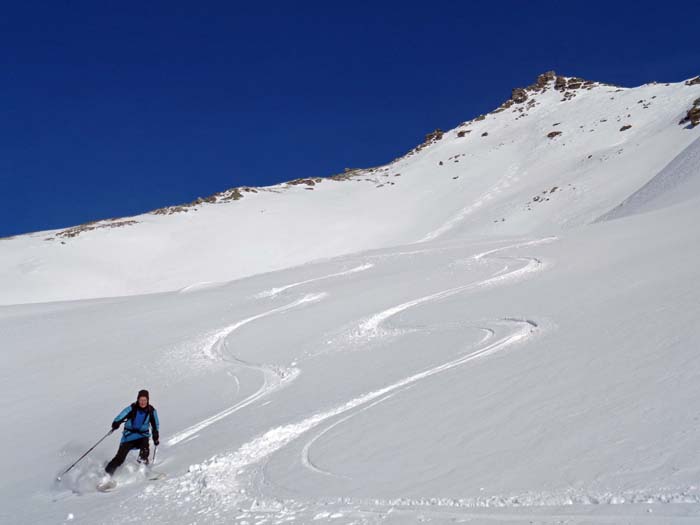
308	182
519	95
567	85
433	136
94	225
693	115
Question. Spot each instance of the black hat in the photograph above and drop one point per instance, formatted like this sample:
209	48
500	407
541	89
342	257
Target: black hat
143	393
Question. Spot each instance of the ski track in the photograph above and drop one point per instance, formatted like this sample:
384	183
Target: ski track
221	483
238	384
273	377
456	219
305	453
306	459
225	479
272	292
204	285
221	477
371	326
483	199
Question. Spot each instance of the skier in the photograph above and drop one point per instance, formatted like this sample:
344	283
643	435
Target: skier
138	417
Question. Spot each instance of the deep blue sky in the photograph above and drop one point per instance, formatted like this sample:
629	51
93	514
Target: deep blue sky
116	108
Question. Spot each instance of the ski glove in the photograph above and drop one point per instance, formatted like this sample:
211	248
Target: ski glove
156	441
115	425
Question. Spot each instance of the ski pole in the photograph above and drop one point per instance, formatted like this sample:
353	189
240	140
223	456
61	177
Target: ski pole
58	478
155	450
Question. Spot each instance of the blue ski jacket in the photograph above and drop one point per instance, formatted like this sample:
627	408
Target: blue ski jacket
138	421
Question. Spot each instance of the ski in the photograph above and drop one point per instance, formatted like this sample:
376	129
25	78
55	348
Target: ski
107	486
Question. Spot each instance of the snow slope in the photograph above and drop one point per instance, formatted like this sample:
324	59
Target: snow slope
677	182
542	369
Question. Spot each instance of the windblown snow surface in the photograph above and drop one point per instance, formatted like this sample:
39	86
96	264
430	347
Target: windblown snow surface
444	349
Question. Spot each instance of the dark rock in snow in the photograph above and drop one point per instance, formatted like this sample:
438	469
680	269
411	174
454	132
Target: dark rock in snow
693	115
434	136
519	95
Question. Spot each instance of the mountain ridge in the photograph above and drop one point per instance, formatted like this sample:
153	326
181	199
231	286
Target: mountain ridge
567	85
557	155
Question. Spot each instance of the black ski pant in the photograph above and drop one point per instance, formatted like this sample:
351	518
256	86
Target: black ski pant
124	448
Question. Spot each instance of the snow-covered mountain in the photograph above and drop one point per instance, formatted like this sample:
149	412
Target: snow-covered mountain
556	156
499	326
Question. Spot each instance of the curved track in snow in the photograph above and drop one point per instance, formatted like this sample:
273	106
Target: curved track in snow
305	454
273	292
273	377
224	473
228	478
372	326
